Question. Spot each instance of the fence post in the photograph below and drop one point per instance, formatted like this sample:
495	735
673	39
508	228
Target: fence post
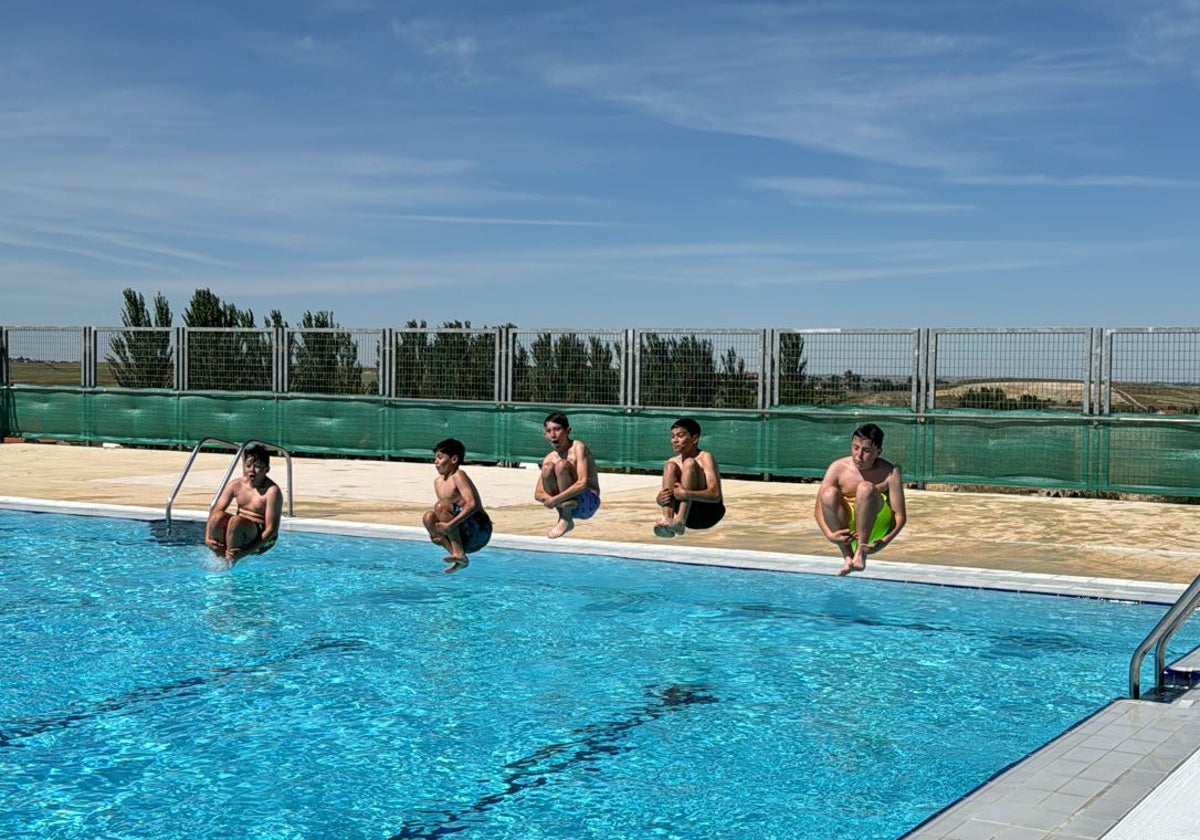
3	356
387	362
87	367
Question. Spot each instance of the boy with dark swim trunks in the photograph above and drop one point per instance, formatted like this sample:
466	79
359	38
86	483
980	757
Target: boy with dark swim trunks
691	484
568	483
860	504
457	520
255	526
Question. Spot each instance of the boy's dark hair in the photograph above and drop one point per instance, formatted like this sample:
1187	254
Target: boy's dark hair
688	425
871	432
260	454
557	418
452	447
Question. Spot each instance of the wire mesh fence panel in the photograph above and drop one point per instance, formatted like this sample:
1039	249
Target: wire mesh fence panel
567	367
331	360
446	364
845	368
135	357
700	368
1152	371
230	359
45	355
1007	370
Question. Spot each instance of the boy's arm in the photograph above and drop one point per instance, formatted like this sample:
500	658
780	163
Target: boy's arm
272	514
469	501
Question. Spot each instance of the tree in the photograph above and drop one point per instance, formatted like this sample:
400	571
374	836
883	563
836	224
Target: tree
794	387
680	371
997	399
141	356
738	389
324	357
452	362
565	369
225	350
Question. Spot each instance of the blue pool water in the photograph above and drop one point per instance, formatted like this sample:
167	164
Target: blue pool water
346	688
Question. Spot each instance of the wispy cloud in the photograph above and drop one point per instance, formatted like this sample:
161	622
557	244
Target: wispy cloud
832	86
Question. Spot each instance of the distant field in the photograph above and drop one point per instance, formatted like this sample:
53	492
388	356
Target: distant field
1148	397
24	372
1126	396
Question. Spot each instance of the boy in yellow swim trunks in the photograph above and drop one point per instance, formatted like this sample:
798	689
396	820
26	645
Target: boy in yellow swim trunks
860	504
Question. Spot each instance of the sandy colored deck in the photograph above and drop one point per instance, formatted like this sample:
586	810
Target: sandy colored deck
1147	541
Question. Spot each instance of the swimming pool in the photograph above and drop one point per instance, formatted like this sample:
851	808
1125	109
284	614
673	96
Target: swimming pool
345	687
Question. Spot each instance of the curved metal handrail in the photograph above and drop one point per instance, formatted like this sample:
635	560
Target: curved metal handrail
1158	638
229	472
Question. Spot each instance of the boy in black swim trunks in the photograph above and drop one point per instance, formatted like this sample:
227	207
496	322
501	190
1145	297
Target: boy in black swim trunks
457	520
691	484
255	526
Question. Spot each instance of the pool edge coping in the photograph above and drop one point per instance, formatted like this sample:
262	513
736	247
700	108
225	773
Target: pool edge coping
1034	583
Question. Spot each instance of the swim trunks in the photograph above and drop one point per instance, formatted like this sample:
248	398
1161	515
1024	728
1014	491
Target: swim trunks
586	504
883	522
253	518
266	544
475	531
703	515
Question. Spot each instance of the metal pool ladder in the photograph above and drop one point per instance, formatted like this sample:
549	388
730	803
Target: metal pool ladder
229	472
1158	638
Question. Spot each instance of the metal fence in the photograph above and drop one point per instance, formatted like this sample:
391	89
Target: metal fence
1086	371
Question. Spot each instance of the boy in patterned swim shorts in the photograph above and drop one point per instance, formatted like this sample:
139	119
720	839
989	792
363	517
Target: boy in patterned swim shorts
568	482
457	520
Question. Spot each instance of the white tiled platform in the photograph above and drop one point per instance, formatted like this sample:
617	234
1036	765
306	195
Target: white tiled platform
1100	780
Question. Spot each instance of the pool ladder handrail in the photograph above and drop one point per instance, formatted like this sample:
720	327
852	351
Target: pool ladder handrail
1158	637
229	472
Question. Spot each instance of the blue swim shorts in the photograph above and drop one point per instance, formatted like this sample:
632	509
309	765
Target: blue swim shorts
586	504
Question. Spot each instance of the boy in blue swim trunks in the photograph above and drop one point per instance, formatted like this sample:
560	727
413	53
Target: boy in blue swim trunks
457	520
691	485
860	504
568	483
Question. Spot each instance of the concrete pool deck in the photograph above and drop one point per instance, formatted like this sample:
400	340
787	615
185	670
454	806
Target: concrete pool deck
1120	770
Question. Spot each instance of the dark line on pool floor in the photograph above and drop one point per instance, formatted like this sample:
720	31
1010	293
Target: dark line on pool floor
11	734
595	741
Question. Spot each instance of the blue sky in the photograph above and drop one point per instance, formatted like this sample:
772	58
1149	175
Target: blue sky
898	163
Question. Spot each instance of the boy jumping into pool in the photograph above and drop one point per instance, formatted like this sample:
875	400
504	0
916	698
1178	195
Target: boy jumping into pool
255	526
860	504
691	484
568	483
457	520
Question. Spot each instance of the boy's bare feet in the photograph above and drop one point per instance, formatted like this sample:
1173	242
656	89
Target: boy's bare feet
859	561
562	526
456	563
662	528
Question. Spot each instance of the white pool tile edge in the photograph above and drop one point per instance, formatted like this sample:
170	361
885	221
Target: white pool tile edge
888	570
